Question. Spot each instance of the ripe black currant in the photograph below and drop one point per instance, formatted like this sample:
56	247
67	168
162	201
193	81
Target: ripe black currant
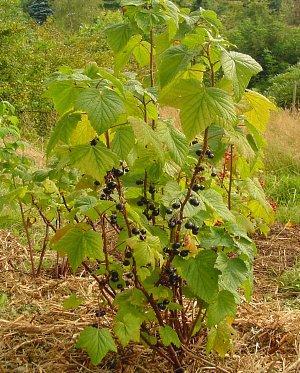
184	253
114	278
111	184
199	152
201	187
102	196
107	190
155	212
179	221
166	301
94	142
161	306
142	237
152	189
139	182
213	174
126	263
143	231
166	250
151	206
118	172
126	169
194	202
128	254
120	286
97	183
140	202
135	231
169	211
119	206
172	224
195	230
176	205
196	187
194	142
189	225
176	245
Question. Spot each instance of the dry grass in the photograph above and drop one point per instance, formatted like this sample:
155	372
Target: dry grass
283	138
38	335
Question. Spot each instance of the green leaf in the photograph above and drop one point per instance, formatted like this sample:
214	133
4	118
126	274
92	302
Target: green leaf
96	342
123	141
102	106
63	94
86	203
214	201
63	130
173	60
3	300
239	68
128	329
142	53
222	306
93	160
199	106
219	338
234	272
118	36
147	251
174	140
79	244
169	336
200	274
72	302
123	56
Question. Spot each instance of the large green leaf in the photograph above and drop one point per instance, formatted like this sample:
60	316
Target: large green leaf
214	201
169	336
147	251
200	274
222	306
239	68
199	106
96	342
63	130
142	53
102	106
128	329
80	244
234	272
63	94
123	56
123	141
173	60
174	140
93	160
118	36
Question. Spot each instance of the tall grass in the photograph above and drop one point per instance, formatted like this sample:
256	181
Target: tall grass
282	160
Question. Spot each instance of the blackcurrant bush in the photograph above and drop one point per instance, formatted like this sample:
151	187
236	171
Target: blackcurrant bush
184	253
126	263
176	205
189	225
139	182
194	202
135	231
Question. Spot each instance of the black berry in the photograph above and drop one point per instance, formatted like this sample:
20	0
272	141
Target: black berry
184	253
189	225
151	206
155	212
199	152
128	254
97	183
120	286
126	263
195	230
143	231
194	142
100	313
176	205
210	155
94	142
176	245
119	206
161	306
112	184
213	174
142	237
107	190
151	189
172	224
169	211
196	187
135	231
194	202
118	172
139	182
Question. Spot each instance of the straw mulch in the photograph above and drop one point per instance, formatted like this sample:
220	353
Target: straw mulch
38	335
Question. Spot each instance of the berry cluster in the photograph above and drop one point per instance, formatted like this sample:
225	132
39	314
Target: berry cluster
142	233
114	277
151	210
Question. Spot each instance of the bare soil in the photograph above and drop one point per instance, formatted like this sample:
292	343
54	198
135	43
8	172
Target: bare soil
38	335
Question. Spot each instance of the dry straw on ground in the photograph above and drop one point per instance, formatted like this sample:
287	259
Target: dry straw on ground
38	335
